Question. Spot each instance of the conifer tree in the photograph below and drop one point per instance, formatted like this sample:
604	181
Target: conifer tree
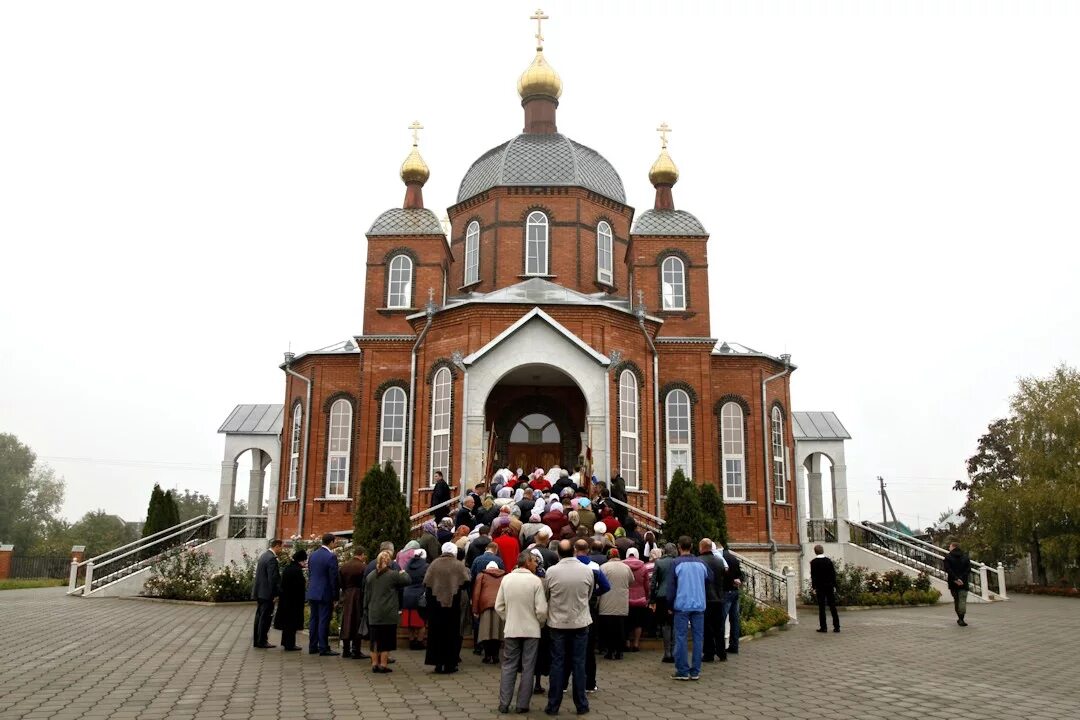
381	513
154	517
713	507
170	510
682	511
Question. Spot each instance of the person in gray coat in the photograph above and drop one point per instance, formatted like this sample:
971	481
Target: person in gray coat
267	586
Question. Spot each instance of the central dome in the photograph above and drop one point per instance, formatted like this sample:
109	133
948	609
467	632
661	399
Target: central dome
537	159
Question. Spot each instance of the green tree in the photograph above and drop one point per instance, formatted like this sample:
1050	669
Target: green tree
713	507
381	513
192	504
99	531
30	495
682	511
160	511
170	511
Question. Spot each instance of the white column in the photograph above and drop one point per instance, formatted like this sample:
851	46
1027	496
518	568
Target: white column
1001	581
255	482
840	501
792	596
596	427
474	450
800	492
983	583
817	504
272	491
226	493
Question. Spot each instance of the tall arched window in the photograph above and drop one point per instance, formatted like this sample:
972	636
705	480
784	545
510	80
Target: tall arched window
780	492
440	424
673	280
536	244
604	264
392	434
731	429
677	415
472	253
337	460
294	450
399	290
628	428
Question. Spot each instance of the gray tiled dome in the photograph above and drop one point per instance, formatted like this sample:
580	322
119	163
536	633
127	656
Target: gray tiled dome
668	222
542	160
406	221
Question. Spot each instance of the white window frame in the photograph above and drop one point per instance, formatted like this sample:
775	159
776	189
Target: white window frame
339	449
294	450
399	290
472	253
605	272
733	450
629	449
779	477
394	395
678	400
441	400
539	240
673	276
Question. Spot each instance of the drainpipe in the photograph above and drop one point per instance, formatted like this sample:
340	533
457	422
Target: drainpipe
464	427
307	434
766	442
407	461
656	402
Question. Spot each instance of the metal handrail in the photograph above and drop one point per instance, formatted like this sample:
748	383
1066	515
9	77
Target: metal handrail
160	540
639	511
914	540
140	541
931	561
760	568
431	509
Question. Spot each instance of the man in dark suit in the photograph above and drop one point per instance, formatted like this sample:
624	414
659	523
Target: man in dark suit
823	580
731	610
321	593
267	587
957	573
440	493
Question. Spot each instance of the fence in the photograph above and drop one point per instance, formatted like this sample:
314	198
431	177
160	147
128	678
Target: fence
40	566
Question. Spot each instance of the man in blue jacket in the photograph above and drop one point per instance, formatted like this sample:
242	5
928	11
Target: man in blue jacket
686	600
322	592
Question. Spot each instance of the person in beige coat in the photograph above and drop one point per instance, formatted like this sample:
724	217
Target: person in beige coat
522	604
615	606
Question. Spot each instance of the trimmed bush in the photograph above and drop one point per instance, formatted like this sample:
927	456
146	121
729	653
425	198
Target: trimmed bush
381	513
682	511
712	505
856	585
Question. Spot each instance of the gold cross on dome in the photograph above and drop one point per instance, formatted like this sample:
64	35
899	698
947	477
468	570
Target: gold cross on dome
664	129
539	17
416	127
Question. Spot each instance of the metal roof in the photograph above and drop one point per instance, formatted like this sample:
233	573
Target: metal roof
254	420
542	160
818	426
541	316
668	222
407	221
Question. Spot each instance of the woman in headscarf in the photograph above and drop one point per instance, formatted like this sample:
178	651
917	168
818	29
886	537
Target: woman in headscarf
485	591
406	553
639	599
445	579
649	545
445	531
290	610
411	619
461	539
381	607
428	539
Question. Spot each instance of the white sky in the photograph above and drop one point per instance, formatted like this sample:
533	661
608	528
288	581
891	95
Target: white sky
891	189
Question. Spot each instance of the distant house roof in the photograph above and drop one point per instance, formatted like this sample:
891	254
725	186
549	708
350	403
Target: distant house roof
819	426
254	420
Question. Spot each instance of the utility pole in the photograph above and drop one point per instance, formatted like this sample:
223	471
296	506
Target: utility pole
881	481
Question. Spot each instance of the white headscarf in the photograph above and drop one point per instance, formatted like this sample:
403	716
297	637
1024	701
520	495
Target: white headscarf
448	548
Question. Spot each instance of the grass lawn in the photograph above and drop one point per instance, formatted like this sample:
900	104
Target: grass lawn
23	584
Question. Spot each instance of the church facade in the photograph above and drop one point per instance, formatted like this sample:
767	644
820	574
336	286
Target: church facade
553	326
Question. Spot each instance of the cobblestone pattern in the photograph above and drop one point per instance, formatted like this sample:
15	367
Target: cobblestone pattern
66	658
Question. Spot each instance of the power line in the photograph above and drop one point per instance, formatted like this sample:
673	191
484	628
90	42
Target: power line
150	464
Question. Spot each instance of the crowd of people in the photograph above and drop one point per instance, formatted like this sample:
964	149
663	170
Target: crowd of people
543	578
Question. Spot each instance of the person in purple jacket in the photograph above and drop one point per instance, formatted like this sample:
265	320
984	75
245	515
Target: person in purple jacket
686	601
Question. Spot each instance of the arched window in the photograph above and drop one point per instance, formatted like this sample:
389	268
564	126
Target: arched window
673	279
731	429
472	253
604	265
677	415
337	461
536	244
440	424
392	435
628	428
399	292
294	450
535	429
780	493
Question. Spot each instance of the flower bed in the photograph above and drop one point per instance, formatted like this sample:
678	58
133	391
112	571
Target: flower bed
857	585
1055	590
755	618
193	575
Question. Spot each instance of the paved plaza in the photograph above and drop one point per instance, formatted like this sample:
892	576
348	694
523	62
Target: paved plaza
113	658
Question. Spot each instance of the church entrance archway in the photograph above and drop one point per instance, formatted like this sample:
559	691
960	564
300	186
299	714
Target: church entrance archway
538	415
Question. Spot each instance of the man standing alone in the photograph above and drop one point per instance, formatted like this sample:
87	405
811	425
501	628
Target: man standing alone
715	647
570	586
321	594
687	602
522	605
267	587
440	493
957	572
823	580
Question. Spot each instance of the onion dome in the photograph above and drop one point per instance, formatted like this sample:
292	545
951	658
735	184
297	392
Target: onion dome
414	169
663	171
540	79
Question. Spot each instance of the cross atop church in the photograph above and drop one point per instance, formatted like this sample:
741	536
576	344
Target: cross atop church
416	127
664	129
539	17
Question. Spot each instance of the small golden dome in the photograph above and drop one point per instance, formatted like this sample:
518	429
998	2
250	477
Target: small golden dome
663	171
414	169
539	79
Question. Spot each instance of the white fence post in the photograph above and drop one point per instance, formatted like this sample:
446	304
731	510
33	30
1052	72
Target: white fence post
792	596
983	584
89	579
1001	581
73	574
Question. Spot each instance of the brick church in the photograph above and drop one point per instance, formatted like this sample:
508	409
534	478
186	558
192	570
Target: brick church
554	323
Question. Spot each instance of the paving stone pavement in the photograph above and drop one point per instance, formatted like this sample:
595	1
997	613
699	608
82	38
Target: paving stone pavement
92	659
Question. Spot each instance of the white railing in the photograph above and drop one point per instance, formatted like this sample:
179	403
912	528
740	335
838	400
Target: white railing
429	511
651	522
769	587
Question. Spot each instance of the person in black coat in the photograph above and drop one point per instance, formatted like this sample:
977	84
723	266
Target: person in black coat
465	515
266	587
290	609
823	580
618	492
440	493
958	572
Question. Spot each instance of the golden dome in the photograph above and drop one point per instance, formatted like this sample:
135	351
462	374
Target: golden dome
539	79
414	169
663	171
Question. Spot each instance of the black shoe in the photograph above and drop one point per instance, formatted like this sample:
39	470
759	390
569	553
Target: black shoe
504	709
312	651
290	649
668	659
618	656
522	711
329	653
823	630
539	690
708	659
733	652
961	623
360	655
549	711
836	629
583	711
265	646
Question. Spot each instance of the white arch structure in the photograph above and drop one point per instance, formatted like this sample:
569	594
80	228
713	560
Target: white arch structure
820	434
255	429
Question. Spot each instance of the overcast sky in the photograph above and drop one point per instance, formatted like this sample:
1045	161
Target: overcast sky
891	189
